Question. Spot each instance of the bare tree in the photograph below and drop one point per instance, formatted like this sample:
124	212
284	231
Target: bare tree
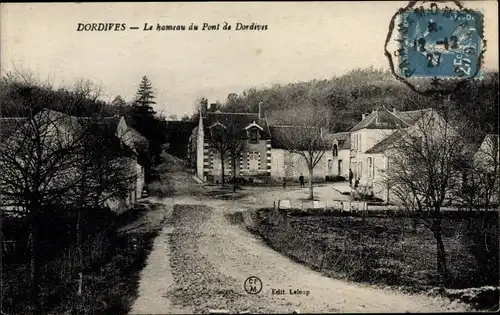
50	159
480	187
228	140
305	137
425	172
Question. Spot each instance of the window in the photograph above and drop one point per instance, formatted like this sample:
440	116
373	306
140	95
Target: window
371	167
340	168
335	150
254	136
253	161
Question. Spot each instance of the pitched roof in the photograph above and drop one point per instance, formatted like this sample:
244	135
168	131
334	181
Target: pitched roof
107	126
280	134
380	119
385	144
343	139
238	120
411	117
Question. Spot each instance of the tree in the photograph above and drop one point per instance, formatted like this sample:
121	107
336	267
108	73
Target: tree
144	119
52	161
228	140
305	137
119	102
425	173
481	175
145	95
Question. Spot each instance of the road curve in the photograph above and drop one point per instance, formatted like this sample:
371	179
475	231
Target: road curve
200	261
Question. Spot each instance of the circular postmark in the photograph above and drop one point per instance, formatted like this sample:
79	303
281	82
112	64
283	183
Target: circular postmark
435	48
253	285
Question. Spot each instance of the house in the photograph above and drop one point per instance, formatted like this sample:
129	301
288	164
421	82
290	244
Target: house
289	165
59	132
487	165
338	165
254	163
372	140
129	148
266	155
487	155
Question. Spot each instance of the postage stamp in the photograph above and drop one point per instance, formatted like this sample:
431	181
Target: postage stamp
440	42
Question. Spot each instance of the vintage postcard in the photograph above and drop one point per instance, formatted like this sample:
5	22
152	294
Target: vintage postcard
249	157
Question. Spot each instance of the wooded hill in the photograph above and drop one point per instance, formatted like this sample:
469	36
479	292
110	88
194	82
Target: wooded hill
360	91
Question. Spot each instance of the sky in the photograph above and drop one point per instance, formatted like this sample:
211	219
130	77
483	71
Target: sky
303	41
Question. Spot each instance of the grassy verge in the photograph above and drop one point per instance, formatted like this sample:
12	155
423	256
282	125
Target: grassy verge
390	250
110	263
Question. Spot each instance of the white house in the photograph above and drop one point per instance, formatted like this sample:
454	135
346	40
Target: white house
372	140
253	163
288	165
59	131
338	165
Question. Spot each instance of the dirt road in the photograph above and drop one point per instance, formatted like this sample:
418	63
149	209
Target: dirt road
200	262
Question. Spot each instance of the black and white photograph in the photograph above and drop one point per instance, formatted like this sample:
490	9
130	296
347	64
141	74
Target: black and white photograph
313	157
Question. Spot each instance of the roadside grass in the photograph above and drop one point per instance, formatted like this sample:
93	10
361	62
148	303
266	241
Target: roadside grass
390	250
110	264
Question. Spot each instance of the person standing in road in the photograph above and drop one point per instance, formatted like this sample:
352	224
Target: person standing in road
351	176
301	180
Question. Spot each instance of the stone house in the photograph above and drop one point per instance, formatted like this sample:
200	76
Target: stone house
254	163
265	157
289	165
338	165
61	130
372	140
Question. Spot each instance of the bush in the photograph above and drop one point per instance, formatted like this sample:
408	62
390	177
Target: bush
335	178
109	262
384	248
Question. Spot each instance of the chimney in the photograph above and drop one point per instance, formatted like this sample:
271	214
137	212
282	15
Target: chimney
363	116
203	106
261	112
212	107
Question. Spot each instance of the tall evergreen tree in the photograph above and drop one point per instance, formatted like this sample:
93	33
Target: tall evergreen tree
145	95
145	119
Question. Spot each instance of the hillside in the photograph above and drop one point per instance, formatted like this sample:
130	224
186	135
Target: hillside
348	96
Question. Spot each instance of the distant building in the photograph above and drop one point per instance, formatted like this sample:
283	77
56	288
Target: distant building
285	164
126	144
253	163
338	165
266	157
372	140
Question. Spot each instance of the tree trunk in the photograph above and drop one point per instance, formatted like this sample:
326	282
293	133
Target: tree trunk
440	254
233	164
35	263
222	169
311	193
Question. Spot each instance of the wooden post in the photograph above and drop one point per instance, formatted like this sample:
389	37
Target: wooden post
80	281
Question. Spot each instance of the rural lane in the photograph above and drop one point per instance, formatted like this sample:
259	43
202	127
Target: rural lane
200	262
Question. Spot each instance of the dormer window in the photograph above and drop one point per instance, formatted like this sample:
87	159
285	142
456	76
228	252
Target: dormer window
254	136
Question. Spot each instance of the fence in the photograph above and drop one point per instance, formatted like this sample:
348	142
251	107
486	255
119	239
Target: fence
322	204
